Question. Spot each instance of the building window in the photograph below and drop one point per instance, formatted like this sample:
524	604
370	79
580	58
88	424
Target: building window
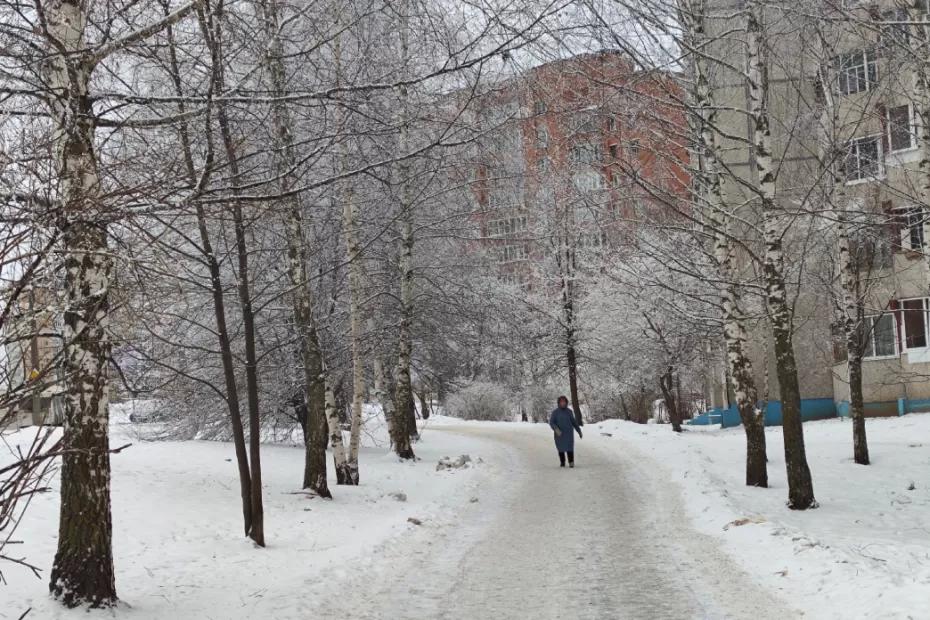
895	28
542	164
910	222
879	336
611	123
510	253
863	159
901	128
914	319
539	107
633	148
585	154
857	71
613	152
542	138
506	226
588	181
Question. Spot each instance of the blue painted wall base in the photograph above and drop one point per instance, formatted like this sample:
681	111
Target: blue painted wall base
811	409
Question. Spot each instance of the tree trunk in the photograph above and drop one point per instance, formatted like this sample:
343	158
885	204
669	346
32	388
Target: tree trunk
401	431
712	202
219	304
297	270
800	486
82	572
320	429
850	280
857	412
381	387
566	265
667	385
400	428
257	532
356	282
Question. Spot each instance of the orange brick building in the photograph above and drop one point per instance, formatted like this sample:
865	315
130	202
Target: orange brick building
588	145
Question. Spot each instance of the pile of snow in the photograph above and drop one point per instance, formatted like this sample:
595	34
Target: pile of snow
864	553
177	531
447	463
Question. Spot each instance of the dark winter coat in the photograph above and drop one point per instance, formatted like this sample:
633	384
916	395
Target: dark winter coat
563	420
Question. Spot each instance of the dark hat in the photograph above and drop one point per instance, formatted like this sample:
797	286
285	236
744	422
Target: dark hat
561	398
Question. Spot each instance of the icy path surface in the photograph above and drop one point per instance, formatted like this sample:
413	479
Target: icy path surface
605	540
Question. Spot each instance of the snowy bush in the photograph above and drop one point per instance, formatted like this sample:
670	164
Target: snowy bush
481	401
539	401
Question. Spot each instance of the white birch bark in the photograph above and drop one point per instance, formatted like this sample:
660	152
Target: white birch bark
712	203
356	280
922	110
401	432
833	156
800	486
297	271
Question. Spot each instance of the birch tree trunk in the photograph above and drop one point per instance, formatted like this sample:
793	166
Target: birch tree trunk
922	109
381	385
297	272
355	332
400	427
82	572
800	486
354	256
711	200
852	302
400	431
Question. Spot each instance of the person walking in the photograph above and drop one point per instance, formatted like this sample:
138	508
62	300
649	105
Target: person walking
562	421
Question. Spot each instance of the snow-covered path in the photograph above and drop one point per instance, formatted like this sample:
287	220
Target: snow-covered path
605	540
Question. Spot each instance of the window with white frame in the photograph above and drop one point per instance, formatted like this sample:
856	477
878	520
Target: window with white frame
911	224
879	336
922	30
506	226
914	321
863	159
588	181
856	71
902	135
510	253
895	28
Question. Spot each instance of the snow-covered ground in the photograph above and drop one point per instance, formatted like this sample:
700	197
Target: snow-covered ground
178	543
650	520
865	553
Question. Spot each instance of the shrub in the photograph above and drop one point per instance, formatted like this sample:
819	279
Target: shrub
481	401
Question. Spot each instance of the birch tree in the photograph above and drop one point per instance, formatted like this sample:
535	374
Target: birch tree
711	203
82	572
800	486
297	271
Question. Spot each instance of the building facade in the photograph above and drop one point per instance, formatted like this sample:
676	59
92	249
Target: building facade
845	106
